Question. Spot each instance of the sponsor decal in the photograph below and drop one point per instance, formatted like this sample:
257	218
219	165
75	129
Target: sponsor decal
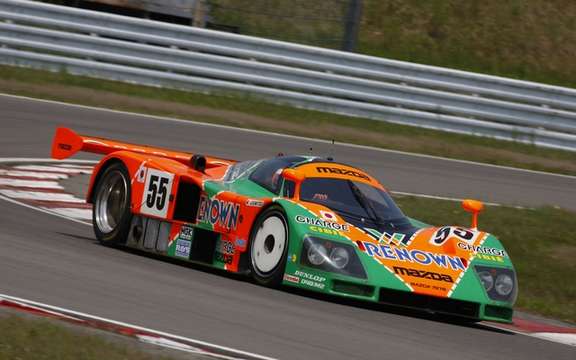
225	252
254	203
423	274
141	173
444	233
485	250
292	278
226	247
395	238
156	195
240	242
218	212
490	258
321	223
183	248
329	216
186	233
224	258
340	171
64	146
428	286
322	230
315	281
421	257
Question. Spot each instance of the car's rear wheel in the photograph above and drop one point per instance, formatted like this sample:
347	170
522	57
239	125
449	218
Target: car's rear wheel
111	214
269	247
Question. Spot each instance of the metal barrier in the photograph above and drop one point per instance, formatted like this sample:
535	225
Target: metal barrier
114	47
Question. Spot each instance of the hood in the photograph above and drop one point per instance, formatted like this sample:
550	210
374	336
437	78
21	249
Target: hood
430	260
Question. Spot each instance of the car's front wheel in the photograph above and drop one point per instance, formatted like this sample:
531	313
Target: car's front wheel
111	215
269	247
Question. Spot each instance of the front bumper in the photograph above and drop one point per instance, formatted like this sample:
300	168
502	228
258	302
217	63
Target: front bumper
362	290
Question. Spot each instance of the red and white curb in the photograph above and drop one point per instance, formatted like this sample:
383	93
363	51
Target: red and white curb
35	183
175	342
560	334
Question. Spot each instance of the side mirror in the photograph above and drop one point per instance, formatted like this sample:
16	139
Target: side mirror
475	207
296	178
292	175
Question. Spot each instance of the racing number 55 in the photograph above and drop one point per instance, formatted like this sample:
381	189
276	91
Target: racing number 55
156	193
158	187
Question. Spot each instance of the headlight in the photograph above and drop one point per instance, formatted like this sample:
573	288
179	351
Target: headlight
331	256
499	283
339	257
486	279
504	284
317	254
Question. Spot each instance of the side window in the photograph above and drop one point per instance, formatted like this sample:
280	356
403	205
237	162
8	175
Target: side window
238	170
289	187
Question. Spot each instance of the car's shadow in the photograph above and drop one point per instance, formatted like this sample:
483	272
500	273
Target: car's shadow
396	310
391	309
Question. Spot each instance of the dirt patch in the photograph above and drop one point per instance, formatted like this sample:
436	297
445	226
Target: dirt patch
408	142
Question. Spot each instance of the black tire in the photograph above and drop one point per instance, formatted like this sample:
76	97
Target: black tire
111	215
269	242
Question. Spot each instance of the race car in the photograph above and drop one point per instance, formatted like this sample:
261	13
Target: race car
299	221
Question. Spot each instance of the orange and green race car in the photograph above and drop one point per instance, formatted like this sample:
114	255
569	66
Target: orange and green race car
300	221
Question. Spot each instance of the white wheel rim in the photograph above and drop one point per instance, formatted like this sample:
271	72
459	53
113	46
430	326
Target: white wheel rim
269	244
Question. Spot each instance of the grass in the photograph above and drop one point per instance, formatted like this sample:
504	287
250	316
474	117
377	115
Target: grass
33	339
317	22
253	112
525	39
539	242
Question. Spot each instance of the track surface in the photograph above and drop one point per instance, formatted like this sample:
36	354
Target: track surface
55	261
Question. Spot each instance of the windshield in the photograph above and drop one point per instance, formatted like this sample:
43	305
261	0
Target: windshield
267	174
356	201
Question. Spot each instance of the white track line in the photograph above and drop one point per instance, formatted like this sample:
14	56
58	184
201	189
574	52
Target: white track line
42	196
402	193
191	122
53	169
127	325
568	339
45	160
561	338
32	174
167	343
80	214
81	167
51	161
44	210
30	183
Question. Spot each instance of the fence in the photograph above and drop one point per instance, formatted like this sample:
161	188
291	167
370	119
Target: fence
136	50
327	23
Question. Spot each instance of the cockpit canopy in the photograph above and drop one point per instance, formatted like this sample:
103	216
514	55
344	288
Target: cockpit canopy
348	191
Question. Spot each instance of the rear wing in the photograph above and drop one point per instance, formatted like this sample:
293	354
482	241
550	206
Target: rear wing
67	143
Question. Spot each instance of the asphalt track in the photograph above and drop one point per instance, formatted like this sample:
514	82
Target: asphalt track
55	261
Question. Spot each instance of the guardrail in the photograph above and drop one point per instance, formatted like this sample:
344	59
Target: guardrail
114	47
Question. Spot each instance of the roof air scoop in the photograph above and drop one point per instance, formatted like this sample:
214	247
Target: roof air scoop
198	162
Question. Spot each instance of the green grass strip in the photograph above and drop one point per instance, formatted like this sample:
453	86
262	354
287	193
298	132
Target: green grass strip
38	339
